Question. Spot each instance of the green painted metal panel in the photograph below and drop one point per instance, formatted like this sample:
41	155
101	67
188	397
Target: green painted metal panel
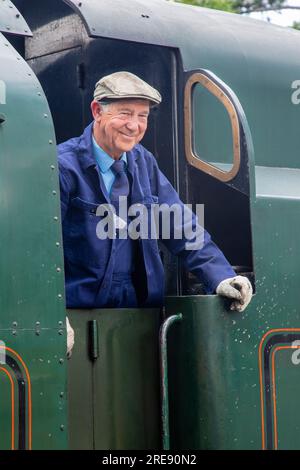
37	370
120	389
32	283
32	319
80	385
11	21
287	388
213	375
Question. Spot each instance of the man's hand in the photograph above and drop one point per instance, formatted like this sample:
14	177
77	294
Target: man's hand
70	338
238	288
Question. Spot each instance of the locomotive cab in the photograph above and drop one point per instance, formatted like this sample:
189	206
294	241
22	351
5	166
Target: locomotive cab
222	369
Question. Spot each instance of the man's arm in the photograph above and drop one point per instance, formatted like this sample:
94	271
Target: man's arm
64	192
208	263
64	202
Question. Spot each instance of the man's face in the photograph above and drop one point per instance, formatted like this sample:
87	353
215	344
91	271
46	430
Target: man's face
120	125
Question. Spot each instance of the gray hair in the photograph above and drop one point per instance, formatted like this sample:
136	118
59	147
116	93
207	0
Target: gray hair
105	105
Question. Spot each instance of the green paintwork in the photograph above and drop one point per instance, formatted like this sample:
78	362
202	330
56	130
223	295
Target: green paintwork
31	300
214	387
44	357
11	21
114	400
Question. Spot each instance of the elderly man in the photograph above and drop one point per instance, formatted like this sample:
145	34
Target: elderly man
103	165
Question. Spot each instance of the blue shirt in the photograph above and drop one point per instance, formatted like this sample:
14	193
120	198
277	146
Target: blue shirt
105	162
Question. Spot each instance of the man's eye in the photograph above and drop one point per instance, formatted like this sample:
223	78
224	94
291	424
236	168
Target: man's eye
124	113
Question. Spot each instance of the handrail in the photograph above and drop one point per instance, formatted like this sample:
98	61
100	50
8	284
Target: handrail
163	355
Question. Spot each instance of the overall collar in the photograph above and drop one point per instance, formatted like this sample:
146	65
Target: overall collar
104	160
87	161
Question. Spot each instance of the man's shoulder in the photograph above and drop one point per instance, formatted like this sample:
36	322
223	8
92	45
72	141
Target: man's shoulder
144	155
68	150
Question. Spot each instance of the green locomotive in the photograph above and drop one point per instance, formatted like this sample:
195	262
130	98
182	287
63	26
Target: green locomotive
225	135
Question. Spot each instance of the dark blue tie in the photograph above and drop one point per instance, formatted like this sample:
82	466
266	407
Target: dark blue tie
120	186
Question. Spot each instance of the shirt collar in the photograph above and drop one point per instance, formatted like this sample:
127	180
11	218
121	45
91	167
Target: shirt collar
103	159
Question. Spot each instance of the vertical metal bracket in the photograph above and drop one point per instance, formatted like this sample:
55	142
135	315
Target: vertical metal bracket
93	340
164	387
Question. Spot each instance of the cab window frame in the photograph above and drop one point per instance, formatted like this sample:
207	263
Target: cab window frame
192	156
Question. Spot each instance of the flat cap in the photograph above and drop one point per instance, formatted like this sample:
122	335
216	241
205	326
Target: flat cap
121	85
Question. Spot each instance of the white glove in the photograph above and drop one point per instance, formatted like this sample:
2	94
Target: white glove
239	288
70	338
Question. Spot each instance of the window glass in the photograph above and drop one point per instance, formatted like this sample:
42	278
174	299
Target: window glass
212	130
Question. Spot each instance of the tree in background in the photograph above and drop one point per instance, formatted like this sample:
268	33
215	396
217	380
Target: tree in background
238	6
244	6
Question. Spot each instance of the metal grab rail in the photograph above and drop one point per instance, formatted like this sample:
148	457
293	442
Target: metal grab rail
163	355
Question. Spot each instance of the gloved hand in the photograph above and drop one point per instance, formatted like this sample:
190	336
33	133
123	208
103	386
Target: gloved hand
238	288
70	338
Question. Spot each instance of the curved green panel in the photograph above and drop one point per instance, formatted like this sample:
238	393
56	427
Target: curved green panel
11	21
31	262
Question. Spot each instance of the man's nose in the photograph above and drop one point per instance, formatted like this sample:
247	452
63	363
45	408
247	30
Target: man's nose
132	124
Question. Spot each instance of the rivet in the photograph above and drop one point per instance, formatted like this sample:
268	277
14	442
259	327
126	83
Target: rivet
17	15
62	428
50	142
61	394
37	332
57	244
52	167
8	28
60	332
37	323
60	323
58	270
14	332
25	31
59	296
39	93
80	4
61	361
45	115
54	193
55	218
15	324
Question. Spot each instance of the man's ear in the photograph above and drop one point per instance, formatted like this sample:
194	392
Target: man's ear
96	110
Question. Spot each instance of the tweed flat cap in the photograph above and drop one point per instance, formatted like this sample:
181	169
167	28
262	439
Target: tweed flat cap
121	85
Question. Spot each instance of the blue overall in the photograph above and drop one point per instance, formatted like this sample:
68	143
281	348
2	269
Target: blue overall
96	271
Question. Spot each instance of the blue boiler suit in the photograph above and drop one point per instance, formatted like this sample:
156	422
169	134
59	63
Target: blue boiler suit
94	268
